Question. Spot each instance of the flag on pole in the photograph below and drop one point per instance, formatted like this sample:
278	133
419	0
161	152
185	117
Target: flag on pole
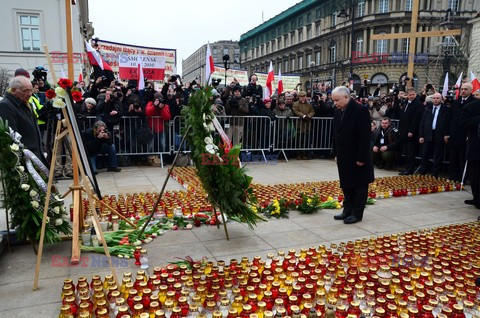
270	78
209	67
445	86
457	85
280	82
475	82
141	78
95	58
80	77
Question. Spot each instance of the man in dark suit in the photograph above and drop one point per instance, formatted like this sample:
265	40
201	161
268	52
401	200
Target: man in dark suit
408	127
470	120
457	141
433	134
353	153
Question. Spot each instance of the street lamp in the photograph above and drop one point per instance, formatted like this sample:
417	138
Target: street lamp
226	64
343	14
312	65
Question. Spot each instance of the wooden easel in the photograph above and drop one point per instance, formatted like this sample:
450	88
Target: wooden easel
413	35
77	189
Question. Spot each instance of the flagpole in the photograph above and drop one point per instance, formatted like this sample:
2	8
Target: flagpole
68	21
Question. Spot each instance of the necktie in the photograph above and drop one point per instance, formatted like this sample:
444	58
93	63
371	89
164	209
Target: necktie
434	122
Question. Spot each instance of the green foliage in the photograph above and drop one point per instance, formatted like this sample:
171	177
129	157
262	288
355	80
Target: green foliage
227	185
309	205
26	219
277	209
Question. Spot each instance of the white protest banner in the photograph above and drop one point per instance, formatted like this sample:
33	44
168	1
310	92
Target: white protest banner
112	52
240	75
153	67
290	82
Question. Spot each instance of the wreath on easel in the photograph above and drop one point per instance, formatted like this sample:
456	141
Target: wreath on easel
226	184
24	191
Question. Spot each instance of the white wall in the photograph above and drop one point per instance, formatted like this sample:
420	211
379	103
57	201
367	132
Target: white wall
52	33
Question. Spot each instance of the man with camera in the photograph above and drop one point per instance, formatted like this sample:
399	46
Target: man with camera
237	107
253	88
387	135
158	115
110	109
98	140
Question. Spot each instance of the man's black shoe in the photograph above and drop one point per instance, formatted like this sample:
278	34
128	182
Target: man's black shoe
469	202
341	216
115	169
351	219
405	173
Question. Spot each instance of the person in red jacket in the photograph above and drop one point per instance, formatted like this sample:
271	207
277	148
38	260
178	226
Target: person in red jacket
158	115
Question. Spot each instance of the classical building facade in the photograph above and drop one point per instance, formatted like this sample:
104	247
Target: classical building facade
312	39
193	67
474	61
28	25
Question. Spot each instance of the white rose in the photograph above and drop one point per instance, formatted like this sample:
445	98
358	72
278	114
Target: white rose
58	222
56	210
25	187
205	125
14	147
21	168
58	103
35	204
210	149
48	219
64	217
60	92
33	193
63	208
211	127
208	140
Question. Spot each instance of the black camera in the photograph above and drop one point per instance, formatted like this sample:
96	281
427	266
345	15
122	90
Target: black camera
216	81
40	73
173	78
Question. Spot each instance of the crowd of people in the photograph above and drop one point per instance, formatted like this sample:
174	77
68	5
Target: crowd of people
406	124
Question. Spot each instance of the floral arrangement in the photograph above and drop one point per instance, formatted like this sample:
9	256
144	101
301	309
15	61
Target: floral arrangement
226	184
277	209
60	92
24	196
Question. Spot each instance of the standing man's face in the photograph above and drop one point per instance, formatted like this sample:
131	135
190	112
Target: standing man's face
253	80
340	101
411	96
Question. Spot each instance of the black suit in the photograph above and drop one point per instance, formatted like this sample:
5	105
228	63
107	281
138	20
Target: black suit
409	123
434	139
457	143
470	120
352	145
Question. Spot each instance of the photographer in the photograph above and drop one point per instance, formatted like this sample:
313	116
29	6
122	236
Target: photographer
377	110
253	88
158	115
237	107
98	140
109	109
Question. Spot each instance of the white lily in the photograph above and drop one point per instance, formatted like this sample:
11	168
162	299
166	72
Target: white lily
48	219
60	92
33	193
204	116
211	127
35	204
58	222
15	147
21	168
58	103
25	187
120	256
56	210
210	149
208	140
126	256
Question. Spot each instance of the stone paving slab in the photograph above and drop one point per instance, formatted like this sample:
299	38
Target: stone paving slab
385	217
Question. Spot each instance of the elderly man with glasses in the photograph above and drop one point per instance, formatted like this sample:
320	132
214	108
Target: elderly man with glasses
15	108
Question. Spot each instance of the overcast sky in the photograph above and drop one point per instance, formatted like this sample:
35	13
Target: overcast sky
184	25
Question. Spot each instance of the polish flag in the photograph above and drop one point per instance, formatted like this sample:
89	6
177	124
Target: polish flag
280	82
475	82
457	85
209	67
95	58
80	77
141	78
270	79
445	86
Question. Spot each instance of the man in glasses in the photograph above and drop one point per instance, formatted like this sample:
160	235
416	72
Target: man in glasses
15	108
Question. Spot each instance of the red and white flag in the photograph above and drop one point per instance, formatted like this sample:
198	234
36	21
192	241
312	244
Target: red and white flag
475	82
270	78
445	86
80	77
141	78
457	85
280	82
209	67
95	58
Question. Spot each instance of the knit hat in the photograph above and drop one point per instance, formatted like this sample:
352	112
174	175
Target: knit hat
302	94
22	72
91	100
158	96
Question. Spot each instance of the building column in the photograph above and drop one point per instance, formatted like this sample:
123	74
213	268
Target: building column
371	45
394	6
373	7
365	40
400	40
391	42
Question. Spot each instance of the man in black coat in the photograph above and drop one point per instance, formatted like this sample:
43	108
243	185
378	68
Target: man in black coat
433	134
14	108
353	153
408	127
457	141
470	120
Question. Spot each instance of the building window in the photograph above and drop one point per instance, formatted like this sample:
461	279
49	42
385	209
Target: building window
300	22
309	17
273	46
300	36
292	25
406	46
383	6
292	64
300	62
408	5
334	19
318	29
236	55
309	33
285	28
225	51
318	14
309	59
30	32
382	45
318	57
360	44
285	38
361	8
453	5
333	52
285	66
292	36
